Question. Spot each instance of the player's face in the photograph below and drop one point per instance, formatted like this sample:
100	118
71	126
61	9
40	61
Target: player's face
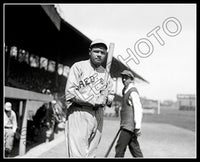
98	55
126	80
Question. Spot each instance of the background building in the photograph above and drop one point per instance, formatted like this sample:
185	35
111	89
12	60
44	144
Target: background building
186	101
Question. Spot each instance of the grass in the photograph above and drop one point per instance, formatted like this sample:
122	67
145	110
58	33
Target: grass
179	118
173	116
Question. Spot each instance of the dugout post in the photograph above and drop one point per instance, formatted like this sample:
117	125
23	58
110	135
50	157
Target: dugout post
22	143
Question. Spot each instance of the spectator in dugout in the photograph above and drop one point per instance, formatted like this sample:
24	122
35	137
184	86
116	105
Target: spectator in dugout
59	115
44	122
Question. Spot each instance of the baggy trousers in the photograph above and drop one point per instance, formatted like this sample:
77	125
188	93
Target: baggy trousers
127	138
83	131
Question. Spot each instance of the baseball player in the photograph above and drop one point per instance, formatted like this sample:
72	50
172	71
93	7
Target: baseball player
131	118
84	89
10	127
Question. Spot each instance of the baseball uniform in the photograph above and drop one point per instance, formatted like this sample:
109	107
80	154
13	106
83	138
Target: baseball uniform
10	127
84	125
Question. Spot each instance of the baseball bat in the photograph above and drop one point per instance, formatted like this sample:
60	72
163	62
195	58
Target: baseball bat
109	61
108	67
111	145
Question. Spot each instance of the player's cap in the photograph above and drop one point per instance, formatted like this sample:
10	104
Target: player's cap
8	106
98	41
128	73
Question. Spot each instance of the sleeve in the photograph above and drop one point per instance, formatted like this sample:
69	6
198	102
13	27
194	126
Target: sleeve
72	82
72	87
138	111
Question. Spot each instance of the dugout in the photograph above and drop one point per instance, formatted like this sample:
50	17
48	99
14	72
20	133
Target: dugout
40	30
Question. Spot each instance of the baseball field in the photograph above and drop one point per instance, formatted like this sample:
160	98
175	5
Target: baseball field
170	134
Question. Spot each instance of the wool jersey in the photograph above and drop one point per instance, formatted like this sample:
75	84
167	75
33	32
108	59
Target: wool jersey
86	81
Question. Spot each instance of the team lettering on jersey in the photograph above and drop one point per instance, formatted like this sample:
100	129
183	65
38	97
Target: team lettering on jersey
91	80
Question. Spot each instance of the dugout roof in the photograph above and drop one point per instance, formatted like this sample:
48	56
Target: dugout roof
40	30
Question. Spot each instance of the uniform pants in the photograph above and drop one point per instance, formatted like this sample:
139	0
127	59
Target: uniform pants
8	139
83	132
127	138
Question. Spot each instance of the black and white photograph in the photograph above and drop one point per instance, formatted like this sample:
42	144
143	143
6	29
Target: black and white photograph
99	80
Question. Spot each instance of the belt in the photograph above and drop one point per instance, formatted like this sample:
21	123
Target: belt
8	127
84	106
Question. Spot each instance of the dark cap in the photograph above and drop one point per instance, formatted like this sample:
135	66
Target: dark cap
128	73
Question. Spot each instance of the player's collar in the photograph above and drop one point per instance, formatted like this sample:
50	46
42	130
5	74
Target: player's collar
99	69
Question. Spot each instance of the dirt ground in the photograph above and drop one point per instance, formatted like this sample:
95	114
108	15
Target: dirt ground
171	134
157	141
